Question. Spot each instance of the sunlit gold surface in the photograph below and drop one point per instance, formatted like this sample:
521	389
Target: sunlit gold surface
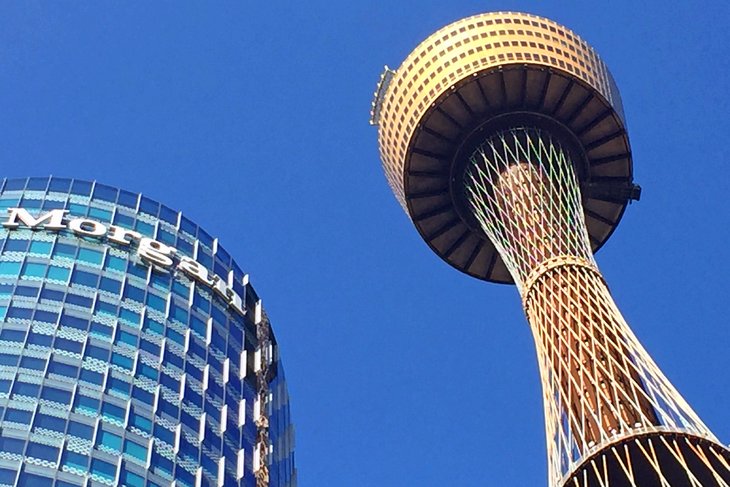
480	69
471	46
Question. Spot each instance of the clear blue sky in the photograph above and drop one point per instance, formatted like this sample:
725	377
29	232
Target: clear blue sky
251	117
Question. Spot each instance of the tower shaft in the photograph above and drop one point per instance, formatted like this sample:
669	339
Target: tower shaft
600	386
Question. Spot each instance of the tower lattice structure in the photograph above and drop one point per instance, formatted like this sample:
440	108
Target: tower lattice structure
503	137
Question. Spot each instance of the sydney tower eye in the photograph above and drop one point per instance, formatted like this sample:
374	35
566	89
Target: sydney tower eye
503	137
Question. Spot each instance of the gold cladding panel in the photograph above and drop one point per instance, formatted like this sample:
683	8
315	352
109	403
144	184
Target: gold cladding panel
466	48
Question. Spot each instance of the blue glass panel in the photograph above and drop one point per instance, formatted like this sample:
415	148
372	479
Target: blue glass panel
145	228
116	263
143	396
20	313
126	338
136	450
37	184
92	377
86	404
33	363
124	221
132	292
44	452
42	248
113	412
141	422
129	479
110	285
77	210
26	291
60	184
30	203
109	440
68	345
15	183
9	269
24	389
31	480
156	302
164	434
119	386
127	199
84	278
104	193
18	416
90	256
97	352
80	430
129	317
149	206
81	188
12	445
33	269
166	237
75	461
161	464
103	307
56	395
16	245
12	335
45	316
56	273
101	215
61	483
65	370
153	327
52	295
102	469
8	359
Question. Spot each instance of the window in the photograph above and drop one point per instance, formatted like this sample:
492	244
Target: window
112	413
43	452
18	416
140	421
103	470
33	270
56	273
30	480
24	389
84	278
86	404
80	430
56	395
9	269
135	450
109	441
90	256
41	248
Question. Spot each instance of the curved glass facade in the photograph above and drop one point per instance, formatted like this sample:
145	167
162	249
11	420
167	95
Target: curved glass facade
133	351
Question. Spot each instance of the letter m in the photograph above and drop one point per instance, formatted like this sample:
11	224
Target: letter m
53	220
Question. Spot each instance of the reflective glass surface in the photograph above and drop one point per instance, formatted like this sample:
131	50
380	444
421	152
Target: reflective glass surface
115	371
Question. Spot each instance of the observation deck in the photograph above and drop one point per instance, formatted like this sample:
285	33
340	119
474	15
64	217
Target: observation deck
481	75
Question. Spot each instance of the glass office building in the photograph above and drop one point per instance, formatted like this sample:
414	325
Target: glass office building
133	351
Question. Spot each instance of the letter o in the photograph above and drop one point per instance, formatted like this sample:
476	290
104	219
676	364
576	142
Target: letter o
87	228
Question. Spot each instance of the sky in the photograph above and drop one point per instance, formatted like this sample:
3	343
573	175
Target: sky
251	118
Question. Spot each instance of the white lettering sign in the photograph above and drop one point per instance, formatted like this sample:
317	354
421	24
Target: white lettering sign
159	256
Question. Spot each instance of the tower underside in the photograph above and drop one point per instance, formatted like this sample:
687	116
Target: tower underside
610	413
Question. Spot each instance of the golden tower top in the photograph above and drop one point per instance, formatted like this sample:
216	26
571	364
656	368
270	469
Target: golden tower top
480	75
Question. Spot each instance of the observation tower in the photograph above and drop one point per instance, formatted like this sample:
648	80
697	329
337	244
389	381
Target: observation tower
503	137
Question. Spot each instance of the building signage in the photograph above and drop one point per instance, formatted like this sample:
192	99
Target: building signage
160	256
